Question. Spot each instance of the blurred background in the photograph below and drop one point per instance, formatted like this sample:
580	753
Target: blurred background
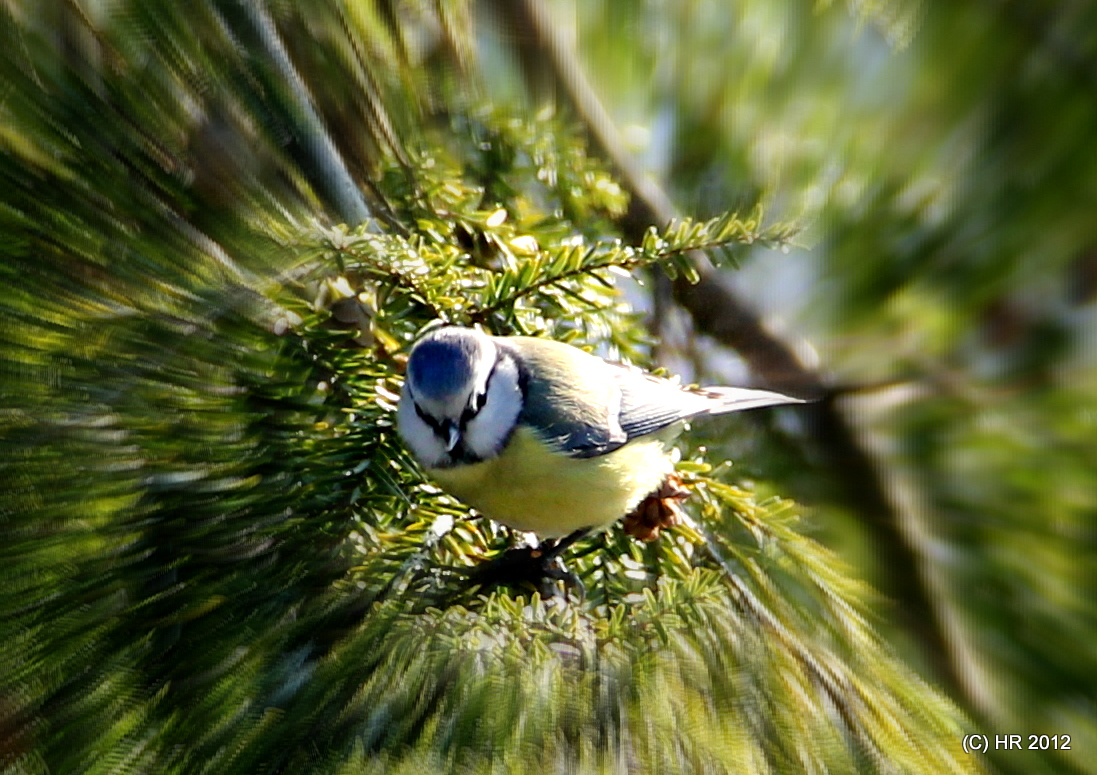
935	163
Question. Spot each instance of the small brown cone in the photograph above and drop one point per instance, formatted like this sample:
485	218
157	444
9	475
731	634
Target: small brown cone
657	511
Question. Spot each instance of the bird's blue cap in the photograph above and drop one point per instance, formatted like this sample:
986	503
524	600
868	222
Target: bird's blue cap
442	364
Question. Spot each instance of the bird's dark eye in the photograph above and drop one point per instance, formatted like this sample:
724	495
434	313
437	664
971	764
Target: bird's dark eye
474	408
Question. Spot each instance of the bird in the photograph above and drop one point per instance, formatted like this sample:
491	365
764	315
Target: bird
542	436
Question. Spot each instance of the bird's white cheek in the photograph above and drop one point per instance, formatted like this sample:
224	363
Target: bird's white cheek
422	441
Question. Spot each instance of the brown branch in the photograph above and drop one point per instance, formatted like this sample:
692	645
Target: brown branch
910	579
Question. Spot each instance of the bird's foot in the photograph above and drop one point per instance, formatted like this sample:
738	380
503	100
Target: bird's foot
657	511
537	566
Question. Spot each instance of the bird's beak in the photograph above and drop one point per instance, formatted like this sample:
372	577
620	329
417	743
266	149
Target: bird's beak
454	438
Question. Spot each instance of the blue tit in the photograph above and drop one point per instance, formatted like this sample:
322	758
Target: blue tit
544	437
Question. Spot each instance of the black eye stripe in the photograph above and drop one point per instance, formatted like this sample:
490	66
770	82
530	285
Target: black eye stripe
438	428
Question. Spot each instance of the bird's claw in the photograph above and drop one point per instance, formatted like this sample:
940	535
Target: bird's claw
538	566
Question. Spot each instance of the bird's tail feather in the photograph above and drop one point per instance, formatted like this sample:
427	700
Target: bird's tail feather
734	399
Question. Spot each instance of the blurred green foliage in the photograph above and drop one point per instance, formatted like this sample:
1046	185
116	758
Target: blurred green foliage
219	558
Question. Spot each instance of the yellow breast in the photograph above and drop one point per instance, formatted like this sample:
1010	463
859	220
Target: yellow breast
530	487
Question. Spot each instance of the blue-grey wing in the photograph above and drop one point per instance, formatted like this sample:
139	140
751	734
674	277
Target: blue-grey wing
575	432
625	404
578	417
